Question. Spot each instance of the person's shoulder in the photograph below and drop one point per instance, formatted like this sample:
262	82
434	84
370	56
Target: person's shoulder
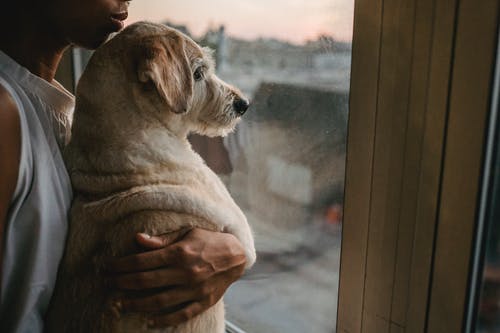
9	113
10	149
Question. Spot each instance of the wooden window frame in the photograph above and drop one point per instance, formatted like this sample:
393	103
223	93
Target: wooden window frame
421	78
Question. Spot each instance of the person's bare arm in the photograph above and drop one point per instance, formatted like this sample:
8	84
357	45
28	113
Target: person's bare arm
10	151
189	271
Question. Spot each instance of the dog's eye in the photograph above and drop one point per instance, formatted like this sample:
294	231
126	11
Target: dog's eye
198	74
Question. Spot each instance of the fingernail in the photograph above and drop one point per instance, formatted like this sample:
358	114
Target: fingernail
145	235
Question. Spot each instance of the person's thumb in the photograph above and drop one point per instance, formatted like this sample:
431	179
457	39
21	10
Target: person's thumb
159	241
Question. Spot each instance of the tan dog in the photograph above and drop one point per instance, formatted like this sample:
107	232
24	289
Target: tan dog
133	169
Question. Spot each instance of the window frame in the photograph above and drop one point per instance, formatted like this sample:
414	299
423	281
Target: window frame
414	154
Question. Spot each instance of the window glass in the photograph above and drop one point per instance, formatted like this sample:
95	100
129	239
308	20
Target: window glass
489	303
284	165
485	317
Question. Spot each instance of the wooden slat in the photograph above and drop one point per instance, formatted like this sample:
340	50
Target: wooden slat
394	84
363	101
417	107
469	107
437	92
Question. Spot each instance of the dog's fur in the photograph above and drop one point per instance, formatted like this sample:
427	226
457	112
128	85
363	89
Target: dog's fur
133	170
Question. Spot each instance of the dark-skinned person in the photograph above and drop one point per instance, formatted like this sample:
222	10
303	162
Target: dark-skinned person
35	190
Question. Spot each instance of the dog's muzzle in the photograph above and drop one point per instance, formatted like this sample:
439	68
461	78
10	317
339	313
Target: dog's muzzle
240	105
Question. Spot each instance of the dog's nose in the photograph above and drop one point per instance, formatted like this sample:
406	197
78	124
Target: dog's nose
240	105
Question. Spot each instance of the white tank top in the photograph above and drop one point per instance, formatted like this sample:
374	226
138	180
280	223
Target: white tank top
36	224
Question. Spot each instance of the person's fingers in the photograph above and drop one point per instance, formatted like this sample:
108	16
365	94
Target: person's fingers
178	317
160	302
141	262
160	278
157	257
160	241
216	252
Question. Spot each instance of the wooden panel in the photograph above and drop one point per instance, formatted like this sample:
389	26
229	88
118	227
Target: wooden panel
469	106
401	177
363	100
429	181
404	122
396	329
394	87
417	108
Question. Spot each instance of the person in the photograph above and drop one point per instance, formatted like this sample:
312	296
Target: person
186	272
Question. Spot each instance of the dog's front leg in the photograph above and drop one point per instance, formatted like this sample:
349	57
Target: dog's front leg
241	230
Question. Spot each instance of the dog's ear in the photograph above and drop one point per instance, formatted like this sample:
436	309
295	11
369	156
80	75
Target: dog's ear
162	61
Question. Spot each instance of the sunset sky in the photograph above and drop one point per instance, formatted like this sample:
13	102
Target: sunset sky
292	20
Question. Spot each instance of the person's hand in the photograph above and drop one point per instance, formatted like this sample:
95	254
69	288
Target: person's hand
191	269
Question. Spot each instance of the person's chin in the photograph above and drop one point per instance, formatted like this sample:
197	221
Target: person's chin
93	42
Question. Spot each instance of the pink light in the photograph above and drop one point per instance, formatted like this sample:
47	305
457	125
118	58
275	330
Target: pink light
292	20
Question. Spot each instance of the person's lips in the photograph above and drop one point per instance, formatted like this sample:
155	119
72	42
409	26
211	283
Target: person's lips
120	16
117	20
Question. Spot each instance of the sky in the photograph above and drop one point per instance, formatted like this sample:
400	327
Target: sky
292	20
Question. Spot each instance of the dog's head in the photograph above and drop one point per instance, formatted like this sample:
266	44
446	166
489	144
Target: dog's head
171	79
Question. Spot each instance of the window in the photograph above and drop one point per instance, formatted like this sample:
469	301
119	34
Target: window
484	305
285	163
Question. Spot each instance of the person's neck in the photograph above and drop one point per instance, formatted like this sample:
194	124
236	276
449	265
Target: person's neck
37	50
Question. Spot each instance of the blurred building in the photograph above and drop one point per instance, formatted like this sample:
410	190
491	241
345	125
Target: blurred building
287	157
323	63
291	161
